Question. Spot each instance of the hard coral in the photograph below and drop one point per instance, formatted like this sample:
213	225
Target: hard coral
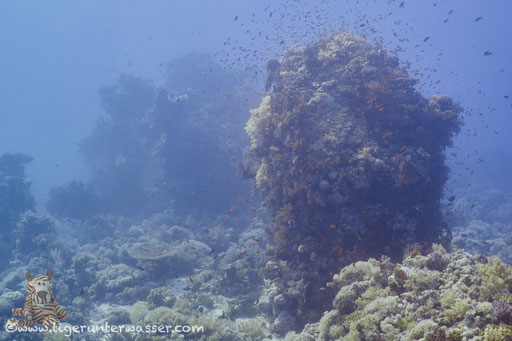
344	139
429	305
349	157
437	261
502	311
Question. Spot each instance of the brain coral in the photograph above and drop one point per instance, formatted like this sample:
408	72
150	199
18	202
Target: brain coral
347	153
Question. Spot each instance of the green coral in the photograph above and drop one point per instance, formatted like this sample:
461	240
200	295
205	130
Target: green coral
138	312
165	316
502	332
496	279
253	330
162	296
406	323
423	329
454	335
453	309
413	300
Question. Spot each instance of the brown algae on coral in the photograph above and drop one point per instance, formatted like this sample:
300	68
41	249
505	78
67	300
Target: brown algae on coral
343	139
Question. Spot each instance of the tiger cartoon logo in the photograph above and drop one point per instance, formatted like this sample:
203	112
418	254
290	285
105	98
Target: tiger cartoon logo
40	305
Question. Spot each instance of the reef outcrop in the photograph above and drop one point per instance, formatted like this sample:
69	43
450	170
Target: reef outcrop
347	152
349	157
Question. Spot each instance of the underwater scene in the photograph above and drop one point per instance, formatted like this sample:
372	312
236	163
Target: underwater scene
256	170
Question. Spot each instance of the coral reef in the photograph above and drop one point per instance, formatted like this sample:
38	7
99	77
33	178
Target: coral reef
34	234
380	300
14	164
15	196
154	257
347	152
155	143
115	151
482	223
349	157
75	200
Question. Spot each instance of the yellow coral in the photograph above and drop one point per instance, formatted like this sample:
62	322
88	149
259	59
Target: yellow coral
258	117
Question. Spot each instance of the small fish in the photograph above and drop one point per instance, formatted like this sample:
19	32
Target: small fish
478	19
427	38
257	240
402	4
230	211
383	266
339	251
332	226
452	198
236	18
487	53
451	11
414	253
482	259
506	96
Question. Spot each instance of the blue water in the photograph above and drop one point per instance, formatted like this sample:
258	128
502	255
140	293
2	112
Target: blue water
131	118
